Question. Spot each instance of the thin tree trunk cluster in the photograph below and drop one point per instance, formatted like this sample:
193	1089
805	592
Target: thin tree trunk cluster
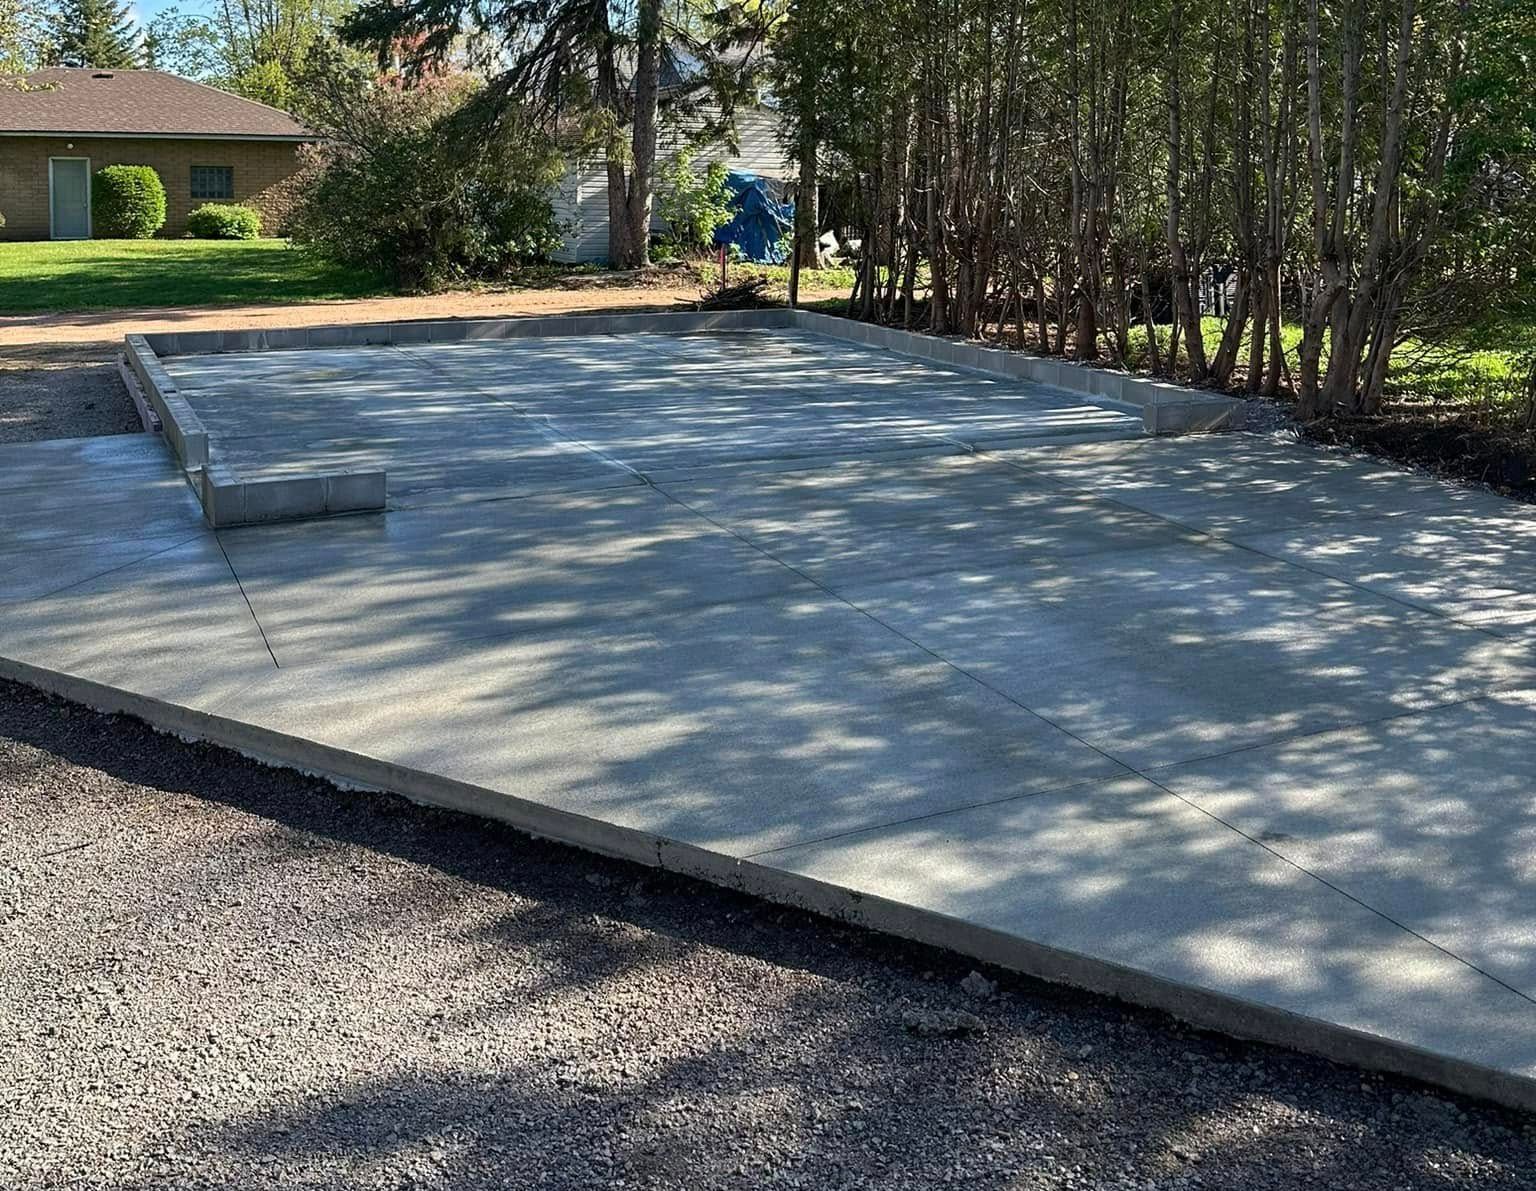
1173	185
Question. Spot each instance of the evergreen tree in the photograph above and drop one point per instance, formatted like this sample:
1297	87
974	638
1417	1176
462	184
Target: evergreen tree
95	33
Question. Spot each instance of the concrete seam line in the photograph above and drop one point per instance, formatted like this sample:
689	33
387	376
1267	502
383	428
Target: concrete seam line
1201	1007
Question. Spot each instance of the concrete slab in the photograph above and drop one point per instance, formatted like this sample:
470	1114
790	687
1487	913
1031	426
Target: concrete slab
91	492
1170	653
174	627
868	520
1248	485
1430	818
1056	706
508	417
424	580
734	727
1474	559
1141	880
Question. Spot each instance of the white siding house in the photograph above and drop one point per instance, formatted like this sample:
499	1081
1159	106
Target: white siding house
581	199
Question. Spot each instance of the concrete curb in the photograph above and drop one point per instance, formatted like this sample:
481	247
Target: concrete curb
182	427
1165	408
1201	1007
231	500
190	343
148	418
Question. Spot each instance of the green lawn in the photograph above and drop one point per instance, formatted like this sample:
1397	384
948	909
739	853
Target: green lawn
1465	369
108	274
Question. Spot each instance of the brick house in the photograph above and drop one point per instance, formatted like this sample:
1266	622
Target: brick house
64	124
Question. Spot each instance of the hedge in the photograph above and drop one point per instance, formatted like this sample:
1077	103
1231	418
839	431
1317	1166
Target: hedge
127	203
224	221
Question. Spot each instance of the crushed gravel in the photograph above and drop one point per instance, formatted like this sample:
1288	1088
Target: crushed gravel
214	974
63	391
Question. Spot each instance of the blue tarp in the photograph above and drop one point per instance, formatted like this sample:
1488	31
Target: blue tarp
760	224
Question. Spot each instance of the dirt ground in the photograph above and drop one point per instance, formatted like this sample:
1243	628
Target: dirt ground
67	390
107	327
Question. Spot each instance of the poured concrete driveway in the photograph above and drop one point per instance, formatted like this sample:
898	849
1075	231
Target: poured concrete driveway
1222	723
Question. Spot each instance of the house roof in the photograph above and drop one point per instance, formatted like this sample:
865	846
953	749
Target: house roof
81	101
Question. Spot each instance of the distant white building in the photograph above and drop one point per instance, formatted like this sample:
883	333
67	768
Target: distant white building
581	200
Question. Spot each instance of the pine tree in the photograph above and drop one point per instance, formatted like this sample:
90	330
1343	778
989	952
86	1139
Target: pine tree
95	33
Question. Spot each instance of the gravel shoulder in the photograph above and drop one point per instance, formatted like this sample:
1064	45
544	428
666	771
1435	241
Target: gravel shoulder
221	974
63	391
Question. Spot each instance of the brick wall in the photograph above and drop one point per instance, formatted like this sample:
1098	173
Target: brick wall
263	173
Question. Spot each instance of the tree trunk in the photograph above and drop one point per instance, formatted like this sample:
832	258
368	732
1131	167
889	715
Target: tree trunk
807	211
630	246
1185	309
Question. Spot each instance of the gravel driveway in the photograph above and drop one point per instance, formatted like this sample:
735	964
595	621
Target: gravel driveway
63	391
222	975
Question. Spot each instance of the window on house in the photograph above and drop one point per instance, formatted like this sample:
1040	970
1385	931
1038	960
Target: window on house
213	181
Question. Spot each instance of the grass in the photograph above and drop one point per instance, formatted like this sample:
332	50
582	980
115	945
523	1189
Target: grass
708	274
114	274
1465	369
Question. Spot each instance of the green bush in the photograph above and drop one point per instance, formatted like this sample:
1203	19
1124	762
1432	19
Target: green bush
429	187
693	203
127	203
224	221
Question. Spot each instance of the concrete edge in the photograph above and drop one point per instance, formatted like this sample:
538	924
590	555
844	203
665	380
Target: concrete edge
229	500
182	428
1165	408
148	418
188	343
1200	1007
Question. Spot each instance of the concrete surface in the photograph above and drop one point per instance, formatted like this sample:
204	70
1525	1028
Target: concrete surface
507	417
1138	714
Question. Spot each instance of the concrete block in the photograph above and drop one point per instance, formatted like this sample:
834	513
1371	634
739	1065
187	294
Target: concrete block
284	499
815	322
1195	416
420	332
199	343
286	339
223	497
1104	383
337	336
354	491
485	328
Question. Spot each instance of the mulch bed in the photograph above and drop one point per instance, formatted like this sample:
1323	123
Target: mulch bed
1456	446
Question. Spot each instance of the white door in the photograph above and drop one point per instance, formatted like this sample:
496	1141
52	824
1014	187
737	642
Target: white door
69	197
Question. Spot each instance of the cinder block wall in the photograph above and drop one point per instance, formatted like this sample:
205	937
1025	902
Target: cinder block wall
263	176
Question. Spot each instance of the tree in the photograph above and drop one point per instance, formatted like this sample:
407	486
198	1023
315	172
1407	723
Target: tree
22	39
97	33
255	48
1074	170
419	184
593	70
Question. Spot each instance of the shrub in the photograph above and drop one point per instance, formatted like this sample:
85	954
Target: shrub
427	186
224	221
127	203
693	203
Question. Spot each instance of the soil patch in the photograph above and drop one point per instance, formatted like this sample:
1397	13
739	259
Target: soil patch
1456	446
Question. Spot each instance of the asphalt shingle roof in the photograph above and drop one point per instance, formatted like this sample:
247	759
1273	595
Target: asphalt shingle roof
82	101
